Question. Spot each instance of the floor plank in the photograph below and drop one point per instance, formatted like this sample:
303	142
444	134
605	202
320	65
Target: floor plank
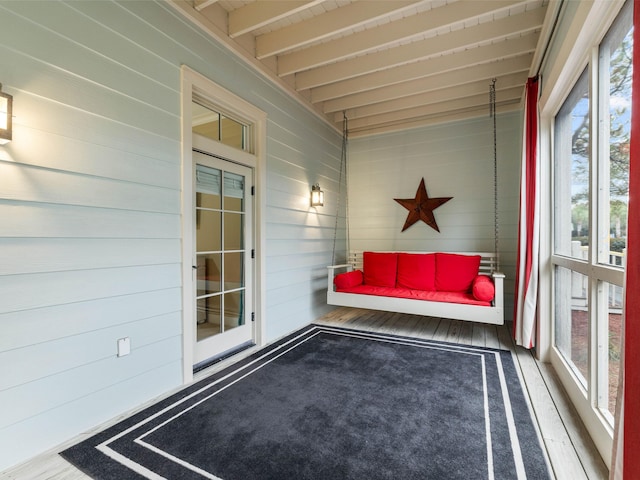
443	330
427	327
466	330
479	336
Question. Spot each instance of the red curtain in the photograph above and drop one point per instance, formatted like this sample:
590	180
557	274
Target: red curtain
629	417
526	281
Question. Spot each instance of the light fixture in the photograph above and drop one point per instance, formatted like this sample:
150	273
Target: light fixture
317	196
6	106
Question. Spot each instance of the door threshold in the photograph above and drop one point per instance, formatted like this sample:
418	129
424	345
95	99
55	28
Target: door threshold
222	356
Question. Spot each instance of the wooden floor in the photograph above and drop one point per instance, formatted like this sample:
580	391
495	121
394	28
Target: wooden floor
571	453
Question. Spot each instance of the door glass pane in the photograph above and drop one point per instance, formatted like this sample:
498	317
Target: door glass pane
208	187
233	276
614	331
572	320
233	192
615	109
209	273
208	231
207	200
233	314
233	231
208	317
572	153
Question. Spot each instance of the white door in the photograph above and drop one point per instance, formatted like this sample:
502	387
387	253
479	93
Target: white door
223	257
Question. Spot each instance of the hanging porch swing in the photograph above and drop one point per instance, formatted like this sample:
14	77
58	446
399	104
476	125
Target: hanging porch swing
466	286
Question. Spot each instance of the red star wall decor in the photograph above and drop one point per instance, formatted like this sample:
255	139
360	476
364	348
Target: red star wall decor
421	207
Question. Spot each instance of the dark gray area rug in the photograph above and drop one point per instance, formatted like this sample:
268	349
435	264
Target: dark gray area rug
334	403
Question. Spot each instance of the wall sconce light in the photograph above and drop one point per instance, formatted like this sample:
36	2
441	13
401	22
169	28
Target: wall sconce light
6	107
317	196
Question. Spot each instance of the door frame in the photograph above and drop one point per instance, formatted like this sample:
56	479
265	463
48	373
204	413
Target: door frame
194	83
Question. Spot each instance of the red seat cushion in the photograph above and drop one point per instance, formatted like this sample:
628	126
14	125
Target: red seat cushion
447	297
483	288
348	279
380	268
417	271
455	273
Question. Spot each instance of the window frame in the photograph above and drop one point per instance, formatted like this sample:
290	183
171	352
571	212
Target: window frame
576	50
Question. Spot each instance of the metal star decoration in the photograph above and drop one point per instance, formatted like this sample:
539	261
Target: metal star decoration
421	207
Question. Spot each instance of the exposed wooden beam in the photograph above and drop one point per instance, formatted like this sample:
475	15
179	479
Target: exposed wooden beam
422	50
514	80
479	111
387	34
322	26
263	12
433	66
506	96
434	82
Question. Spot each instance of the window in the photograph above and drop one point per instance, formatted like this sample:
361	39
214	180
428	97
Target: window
216	126
590	198
572	179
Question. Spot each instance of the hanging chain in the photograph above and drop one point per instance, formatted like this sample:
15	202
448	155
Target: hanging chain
493	114
343	167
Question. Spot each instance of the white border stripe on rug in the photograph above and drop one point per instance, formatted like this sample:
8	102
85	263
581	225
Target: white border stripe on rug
513	434
127	462
487	422
179	461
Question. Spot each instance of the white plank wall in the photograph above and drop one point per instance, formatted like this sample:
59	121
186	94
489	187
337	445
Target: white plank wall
90	203
455	160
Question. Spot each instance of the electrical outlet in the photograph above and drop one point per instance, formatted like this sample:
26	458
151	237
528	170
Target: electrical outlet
124	346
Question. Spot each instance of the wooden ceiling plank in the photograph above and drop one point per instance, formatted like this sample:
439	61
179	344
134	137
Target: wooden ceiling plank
435	82
479	111
387	34
433	66
424	49
511	95
263	12
322	26
504	82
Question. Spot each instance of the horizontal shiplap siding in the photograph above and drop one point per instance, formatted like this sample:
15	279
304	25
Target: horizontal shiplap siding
90	204
455	160
90	237
299	238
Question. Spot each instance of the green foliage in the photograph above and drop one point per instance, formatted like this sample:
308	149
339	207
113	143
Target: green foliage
617	244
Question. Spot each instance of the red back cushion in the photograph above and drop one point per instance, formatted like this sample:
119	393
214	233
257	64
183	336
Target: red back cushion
380	269
483	288
348	279
417	271
455	273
